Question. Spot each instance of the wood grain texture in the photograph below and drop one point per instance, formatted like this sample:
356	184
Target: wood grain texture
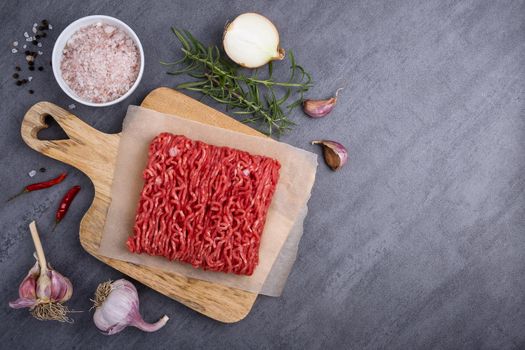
95	153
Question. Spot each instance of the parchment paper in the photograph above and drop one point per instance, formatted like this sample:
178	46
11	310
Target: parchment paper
283	227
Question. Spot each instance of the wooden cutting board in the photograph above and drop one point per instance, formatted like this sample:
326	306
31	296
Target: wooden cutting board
94	153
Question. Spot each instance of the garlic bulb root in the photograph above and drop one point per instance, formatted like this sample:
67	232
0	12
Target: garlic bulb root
101	293
51	311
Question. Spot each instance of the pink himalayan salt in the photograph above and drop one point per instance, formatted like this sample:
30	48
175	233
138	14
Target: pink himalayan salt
100	63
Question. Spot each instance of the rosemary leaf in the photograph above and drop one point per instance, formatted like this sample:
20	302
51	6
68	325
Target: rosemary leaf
190	84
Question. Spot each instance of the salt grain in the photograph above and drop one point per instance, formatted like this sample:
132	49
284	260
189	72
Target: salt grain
72	106
25	46
100	63
29	78
26	35
39	44
40	52
32	173
14	50
50	27
15	43
34	30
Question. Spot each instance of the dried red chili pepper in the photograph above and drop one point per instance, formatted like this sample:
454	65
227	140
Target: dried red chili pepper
65	203
41	185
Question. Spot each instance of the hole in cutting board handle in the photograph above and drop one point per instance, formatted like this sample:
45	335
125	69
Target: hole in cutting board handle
53	131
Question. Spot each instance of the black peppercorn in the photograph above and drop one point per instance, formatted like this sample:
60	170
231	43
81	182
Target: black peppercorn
45	22
31	63
40	68
31	67
43	35
42	170
34	42
31	92
15	75
27	52
24	81
41	27
17	68
18	82
37	36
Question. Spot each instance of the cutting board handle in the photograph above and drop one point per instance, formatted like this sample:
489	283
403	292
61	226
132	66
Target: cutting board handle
34	121
86	148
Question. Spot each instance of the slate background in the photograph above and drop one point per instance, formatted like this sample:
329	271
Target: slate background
418	243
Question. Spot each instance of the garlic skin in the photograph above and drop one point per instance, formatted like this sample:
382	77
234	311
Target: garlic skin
334	153
320	108
117	306
252	40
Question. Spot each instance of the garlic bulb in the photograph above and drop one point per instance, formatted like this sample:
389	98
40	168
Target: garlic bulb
117	306
252	40
43	290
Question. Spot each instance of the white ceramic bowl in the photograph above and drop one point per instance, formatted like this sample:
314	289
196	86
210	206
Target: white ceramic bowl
64	37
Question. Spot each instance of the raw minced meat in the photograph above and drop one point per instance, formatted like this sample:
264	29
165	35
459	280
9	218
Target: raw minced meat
204	205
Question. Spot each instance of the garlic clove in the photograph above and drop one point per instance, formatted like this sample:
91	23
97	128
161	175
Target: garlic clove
69	292
320	108
27	288
252	40
334	153
61	287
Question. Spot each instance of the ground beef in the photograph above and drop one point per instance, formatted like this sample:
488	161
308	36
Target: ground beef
204	205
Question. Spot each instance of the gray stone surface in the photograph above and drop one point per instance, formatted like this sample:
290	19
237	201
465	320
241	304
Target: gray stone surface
417	244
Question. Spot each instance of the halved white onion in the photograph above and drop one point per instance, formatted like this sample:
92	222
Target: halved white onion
252	40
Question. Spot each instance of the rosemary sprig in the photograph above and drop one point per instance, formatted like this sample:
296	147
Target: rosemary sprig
259	99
